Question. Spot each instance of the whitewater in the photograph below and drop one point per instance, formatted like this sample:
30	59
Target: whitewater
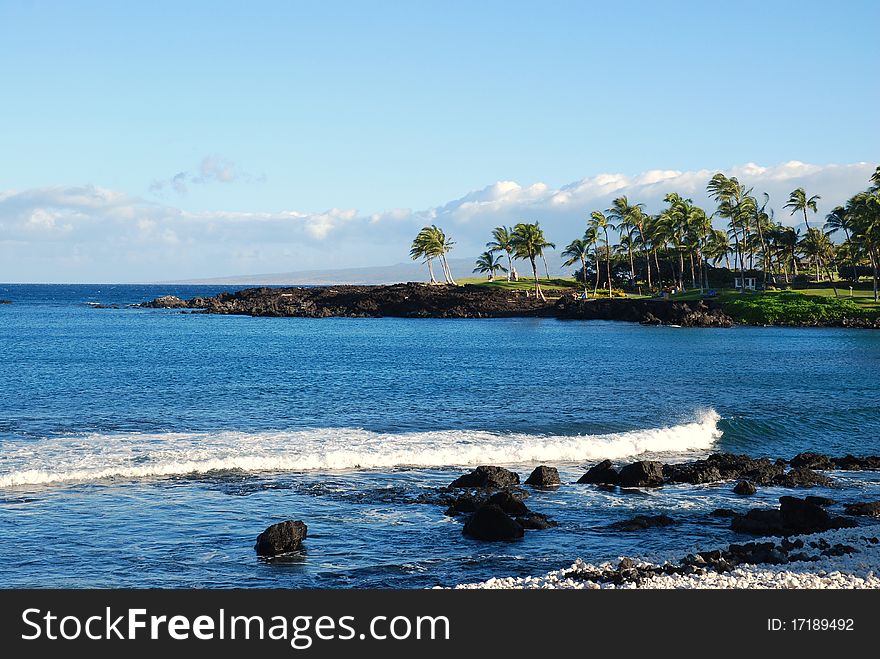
135	456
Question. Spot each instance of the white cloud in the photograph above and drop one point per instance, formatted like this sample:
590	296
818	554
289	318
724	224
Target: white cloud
89	233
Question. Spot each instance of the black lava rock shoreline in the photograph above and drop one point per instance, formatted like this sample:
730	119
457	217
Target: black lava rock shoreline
415	300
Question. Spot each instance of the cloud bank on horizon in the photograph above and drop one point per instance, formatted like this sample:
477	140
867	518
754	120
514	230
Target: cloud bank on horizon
92	234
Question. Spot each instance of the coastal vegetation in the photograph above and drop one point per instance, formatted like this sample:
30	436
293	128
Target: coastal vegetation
737	253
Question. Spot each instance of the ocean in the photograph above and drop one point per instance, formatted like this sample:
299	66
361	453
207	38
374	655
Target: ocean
148	448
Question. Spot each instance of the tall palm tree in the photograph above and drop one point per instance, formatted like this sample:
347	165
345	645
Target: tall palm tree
864	211
578	250
487	262
626	218
730	195
591	237
599	222
717	247
501	242
817	244
799	202
838	220
529	243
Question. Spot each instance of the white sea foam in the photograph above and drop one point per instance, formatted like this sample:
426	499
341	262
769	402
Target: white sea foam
137	456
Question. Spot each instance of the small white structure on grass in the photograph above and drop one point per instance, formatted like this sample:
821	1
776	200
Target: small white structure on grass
750	283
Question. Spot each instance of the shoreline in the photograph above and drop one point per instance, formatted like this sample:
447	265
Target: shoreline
856	569
415	300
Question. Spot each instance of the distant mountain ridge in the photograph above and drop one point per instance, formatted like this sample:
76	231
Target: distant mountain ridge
370	275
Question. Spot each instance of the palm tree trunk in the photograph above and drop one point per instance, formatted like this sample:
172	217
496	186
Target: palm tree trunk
608	262
538	292
584	273
596	287
874	260
431	270
632	263
546	270
693	274
509	266
659	274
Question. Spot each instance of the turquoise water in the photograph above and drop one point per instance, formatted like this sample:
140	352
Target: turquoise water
149	447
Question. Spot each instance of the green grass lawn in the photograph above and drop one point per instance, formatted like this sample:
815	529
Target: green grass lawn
560	285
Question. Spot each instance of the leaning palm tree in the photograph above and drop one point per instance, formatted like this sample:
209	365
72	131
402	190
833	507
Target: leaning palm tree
488	263
529	243
430	243
501	242
578	250
627	218
423	248
599	222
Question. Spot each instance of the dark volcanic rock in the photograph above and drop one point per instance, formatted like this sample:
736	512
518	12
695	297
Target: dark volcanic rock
489	522
868	508
602	473
812	461
723	512
535	521
644	473
640	522
166	302
801	477
746	488
411	300
509	503
544	477
466	503
852	463
281	538
487	477
694	313
819	501
794	516
5	301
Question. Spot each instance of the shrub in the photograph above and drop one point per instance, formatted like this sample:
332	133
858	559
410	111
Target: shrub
790	308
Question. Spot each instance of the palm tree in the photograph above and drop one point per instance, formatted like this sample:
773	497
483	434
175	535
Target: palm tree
528	242
798	201
717	247
626	217
501	242
818	245
730	195
599	222
864	211
788	239
838	220
430	243
422	247
578	250
487	262
591	237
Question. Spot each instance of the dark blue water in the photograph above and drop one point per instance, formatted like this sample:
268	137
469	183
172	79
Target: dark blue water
149	447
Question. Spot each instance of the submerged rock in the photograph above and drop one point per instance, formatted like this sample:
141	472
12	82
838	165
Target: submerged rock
867	508
644	473
601	474
544	476
281	538
640	522
812	461
509	503
166	302
488	477
793	517
745	488
490	522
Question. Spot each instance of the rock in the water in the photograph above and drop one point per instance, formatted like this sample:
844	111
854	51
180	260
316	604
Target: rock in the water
166	302
868	508
487	477
509	503
745	488
640	522
489	522
464	504
544	476
723	512
802	477
793	517
281	538
602	474
852	463
810	460
535	521
644	473
819	501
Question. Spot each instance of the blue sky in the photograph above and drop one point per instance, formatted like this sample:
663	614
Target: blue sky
273	107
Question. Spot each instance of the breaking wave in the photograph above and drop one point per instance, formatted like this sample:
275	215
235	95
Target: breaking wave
138	456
